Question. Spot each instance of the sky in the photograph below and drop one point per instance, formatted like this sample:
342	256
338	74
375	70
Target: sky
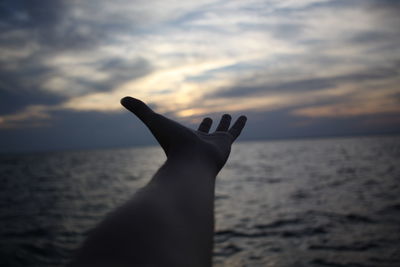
296	68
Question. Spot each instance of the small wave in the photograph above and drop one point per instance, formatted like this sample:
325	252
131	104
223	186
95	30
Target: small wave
224	235
279	223
342	218
390	213
355	218
308	231
350	247
386	260
228	250
263	179
392	208
220	196
322	262
299	195
39	232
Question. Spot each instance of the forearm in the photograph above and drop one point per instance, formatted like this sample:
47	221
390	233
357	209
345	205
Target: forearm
185	189
169	222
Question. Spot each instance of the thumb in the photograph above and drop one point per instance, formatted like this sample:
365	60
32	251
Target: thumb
137	107
149	118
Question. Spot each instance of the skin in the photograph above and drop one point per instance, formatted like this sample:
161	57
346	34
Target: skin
169	222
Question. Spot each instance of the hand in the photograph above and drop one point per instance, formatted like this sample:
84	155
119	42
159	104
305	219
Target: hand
180	142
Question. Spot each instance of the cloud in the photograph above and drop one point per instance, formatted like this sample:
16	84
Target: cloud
74	80
23	87
307	58
379	98
309	84
49	53
77	130
31	116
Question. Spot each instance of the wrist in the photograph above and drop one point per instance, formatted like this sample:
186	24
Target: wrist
194	163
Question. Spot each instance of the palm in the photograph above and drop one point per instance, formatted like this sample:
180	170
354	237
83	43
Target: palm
176	139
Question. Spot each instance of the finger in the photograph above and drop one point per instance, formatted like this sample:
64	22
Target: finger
137	107
157	124
205	125
224	123
237	127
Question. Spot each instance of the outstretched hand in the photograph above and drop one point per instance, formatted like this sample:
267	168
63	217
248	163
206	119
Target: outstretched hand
172	217
180	142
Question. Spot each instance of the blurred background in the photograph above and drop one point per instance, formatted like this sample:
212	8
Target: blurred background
313	180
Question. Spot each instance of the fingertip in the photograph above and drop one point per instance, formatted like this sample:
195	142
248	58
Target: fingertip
226	119
136	106
207	120
205	125
224	122
132	103
243	118
126	98
125	101
241	122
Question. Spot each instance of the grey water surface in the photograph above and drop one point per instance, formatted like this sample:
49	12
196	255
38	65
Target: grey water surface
316	202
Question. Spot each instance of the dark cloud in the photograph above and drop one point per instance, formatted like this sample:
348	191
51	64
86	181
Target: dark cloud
122	70
391	5
370	36
21	88
44	14
118	72
44	29
24	87
280	124
383	13
78	130
50	24
300	85
308	84
16	100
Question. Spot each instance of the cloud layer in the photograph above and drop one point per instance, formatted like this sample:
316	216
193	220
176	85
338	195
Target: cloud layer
305	59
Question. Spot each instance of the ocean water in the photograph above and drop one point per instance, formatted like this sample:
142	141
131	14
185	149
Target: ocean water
321	202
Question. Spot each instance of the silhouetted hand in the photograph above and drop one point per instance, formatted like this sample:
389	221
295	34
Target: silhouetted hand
180	142
170	221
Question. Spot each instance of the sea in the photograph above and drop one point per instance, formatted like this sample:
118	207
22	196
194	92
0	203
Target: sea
289	203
